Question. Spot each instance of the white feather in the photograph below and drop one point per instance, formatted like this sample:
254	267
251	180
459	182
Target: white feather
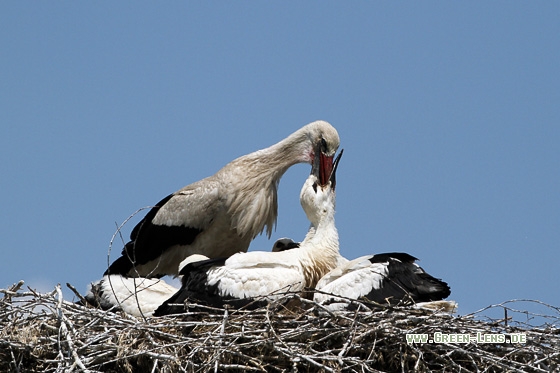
353	279
135	296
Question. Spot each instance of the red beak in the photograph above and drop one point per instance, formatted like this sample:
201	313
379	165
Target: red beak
326	166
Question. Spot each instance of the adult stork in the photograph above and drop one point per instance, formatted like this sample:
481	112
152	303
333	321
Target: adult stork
388	278
244	277
220	215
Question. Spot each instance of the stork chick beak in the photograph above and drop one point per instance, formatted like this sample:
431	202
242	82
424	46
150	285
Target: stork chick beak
332	177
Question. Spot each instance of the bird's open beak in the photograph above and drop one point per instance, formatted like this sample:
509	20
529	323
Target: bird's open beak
324	168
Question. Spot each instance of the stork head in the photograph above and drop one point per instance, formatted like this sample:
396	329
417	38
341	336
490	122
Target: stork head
318	193
323	142
283	244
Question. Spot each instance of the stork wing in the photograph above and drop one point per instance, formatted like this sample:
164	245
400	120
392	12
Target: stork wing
175	220
383	278
352	280
405	282
216	282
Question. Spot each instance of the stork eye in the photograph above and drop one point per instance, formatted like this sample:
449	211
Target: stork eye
315	187
323	145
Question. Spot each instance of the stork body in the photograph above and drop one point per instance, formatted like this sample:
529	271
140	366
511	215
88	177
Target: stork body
220	215
389	278
245	277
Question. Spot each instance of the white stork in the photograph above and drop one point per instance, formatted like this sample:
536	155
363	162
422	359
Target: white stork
243	277
133	295
220	215
388	278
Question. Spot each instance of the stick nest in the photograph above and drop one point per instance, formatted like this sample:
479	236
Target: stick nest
45	333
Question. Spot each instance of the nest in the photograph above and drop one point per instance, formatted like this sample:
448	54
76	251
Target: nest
46	333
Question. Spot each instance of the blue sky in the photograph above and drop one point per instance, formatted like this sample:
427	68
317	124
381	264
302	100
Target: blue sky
448	113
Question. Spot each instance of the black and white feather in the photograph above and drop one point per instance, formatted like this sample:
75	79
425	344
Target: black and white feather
389	278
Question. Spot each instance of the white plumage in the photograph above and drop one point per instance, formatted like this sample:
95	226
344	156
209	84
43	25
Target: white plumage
135	296
350	279
221	214
242	277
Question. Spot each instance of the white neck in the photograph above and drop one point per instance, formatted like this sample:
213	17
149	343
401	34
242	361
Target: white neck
321	249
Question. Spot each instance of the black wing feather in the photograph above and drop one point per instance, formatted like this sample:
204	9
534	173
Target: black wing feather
148	241
403	257
406	282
